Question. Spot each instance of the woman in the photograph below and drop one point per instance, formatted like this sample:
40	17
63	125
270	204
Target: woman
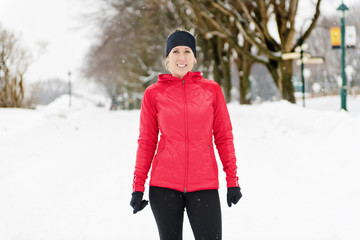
188	110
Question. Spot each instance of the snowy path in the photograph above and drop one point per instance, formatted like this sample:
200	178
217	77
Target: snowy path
66	174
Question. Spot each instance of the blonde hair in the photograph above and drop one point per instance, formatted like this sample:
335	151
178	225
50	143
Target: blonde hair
180	30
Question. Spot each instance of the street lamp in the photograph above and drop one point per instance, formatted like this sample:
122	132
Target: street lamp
69	74
342	8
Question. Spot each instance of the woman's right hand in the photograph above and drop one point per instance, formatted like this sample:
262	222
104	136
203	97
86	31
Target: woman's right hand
136	201
233	195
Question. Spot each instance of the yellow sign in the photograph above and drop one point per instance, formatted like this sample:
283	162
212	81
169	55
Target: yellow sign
335	36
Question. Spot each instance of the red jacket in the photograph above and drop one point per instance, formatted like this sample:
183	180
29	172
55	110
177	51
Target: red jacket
188	112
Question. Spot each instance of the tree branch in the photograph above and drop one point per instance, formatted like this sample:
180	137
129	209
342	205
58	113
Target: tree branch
290	31
229	37
311	27
263	49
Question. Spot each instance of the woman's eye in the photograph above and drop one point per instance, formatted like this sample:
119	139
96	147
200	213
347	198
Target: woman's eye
187	51
176	51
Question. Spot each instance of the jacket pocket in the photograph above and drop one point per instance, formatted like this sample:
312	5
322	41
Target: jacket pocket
212	158
159	151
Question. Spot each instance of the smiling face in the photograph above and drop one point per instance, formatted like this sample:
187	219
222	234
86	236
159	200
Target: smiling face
180	60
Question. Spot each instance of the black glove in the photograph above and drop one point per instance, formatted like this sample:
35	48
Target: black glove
136	201
233	195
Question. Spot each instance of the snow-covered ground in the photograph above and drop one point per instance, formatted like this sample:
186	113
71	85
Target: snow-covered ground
67	173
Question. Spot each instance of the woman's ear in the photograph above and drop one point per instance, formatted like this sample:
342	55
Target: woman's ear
167	63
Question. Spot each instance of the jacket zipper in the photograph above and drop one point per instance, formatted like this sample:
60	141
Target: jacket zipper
186	138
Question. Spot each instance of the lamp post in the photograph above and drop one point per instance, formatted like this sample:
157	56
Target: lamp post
343	92
69	74
302	70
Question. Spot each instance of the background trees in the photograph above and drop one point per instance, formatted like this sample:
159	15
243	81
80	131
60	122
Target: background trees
230	34
127	56
240	44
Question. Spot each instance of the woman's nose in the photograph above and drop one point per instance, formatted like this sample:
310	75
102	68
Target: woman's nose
182	56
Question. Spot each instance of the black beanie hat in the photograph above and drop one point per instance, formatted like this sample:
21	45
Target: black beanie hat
180	38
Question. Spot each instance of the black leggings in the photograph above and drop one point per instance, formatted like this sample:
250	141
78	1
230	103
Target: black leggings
202	207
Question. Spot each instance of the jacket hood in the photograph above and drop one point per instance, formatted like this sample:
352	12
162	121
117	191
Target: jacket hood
192	76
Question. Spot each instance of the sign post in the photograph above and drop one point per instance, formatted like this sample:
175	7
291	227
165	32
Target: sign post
343	92
304	57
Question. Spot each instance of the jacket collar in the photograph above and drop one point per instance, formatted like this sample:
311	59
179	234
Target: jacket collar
190	76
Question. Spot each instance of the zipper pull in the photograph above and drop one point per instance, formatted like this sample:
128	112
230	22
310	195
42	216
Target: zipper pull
183	81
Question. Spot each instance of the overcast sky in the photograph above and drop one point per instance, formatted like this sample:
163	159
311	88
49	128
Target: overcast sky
58	23
55	22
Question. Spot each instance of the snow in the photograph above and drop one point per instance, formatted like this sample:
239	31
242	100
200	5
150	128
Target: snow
66	173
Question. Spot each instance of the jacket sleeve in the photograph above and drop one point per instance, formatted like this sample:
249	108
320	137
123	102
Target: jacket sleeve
147	141
224	140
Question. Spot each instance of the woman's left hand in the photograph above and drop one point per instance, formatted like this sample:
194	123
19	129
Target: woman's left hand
233	195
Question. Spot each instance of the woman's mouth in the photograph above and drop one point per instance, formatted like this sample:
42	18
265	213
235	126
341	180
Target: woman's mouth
181	65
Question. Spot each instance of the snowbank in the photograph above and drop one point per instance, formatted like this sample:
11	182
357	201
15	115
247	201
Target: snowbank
65	173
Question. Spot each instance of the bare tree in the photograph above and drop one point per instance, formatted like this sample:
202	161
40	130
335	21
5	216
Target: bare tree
130	53
14	62
251	19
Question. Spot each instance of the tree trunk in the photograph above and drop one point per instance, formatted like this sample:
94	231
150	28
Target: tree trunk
244	83
281	72
244	65
221	70
227	80
287	89
244	68
224	58
216	58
